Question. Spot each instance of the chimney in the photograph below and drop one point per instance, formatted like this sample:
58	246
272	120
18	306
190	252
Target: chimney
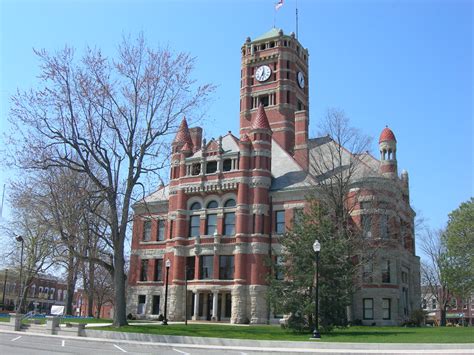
196	137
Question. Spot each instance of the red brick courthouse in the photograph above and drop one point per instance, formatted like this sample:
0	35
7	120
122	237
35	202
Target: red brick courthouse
229	199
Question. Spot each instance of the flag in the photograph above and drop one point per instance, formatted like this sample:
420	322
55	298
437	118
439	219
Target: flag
278	4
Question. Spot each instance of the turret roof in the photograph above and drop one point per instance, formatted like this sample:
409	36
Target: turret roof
387	135
183	135
261	121
274	32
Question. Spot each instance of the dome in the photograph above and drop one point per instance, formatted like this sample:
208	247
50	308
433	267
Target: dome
387	135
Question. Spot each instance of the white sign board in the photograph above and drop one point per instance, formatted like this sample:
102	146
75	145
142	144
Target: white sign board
57	310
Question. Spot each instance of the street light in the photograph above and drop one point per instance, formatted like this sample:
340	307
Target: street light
168	265
4	288
22	241
186	295
316	248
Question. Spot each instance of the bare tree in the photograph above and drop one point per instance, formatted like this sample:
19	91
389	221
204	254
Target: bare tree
103	290
38	255
338	163
110	120
434	269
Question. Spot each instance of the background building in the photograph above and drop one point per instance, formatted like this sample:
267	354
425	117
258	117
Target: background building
229	200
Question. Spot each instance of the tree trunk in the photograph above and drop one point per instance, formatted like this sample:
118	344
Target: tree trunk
90	291
71	281
443	316
120	317
99	308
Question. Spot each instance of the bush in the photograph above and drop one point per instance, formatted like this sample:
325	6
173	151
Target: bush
417	318
298	323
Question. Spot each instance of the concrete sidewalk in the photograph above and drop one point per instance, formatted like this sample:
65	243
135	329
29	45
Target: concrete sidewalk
273	344
264	346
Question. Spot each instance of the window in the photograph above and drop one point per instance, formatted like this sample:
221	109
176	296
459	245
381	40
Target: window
404	277
386	309
211	167
194	223
226	267
424	304
433	303
146	231
367	275
298	216
383	226
386	271
206	266
144	270
227	165
190	266
365	205
229	223
279	268
368	308
195	206
141	304
211	224
196	169
212	204
264	100
454	303
280	222
171	229
158	269
405	300
229	203
161	230
366	225
155	305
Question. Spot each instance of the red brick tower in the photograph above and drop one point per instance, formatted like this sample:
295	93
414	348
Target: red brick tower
274	72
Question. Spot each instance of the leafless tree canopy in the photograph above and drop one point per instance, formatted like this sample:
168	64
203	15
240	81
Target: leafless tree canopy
109	119
336	166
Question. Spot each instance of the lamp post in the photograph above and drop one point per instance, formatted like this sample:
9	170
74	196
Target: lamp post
4	288
168	265
186	295
316	335
22	241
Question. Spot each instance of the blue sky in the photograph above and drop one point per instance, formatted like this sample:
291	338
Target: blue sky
406	64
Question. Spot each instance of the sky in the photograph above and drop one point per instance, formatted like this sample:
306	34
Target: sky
405	64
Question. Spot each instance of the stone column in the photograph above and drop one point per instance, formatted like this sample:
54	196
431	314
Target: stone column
215	297
196	306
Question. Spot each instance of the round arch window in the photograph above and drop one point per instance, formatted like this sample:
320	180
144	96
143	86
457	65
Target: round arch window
230	203
212	204
195	206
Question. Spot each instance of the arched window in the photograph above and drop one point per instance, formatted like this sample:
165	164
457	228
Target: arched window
195	206
212	204
230	203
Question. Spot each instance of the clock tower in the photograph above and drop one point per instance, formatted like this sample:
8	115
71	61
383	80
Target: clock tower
274	72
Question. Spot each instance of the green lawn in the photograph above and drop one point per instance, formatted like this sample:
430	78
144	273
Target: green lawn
353	334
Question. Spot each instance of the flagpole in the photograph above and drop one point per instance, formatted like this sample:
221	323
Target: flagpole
296	18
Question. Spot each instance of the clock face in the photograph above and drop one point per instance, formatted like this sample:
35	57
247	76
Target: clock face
300	78
263	73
